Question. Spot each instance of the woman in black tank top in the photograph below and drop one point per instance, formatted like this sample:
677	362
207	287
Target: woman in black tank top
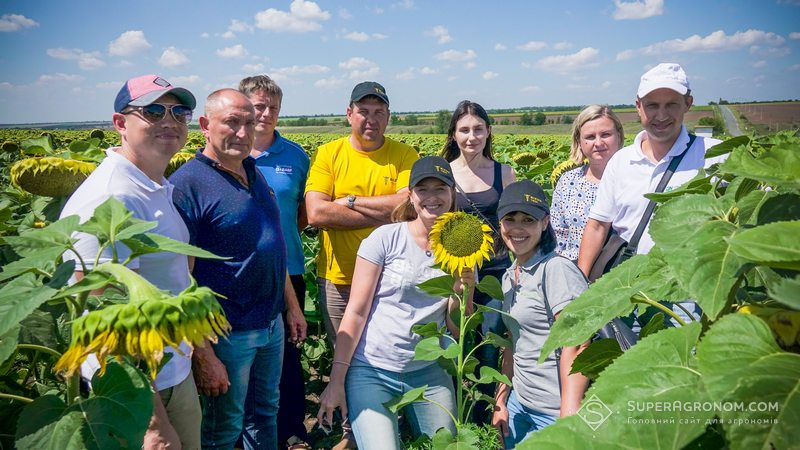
479	182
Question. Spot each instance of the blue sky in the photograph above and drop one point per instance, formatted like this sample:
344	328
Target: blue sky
66	60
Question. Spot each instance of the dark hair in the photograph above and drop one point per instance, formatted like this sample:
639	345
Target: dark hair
548	242
451	152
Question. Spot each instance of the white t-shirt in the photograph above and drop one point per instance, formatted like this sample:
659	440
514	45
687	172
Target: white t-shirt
630	174
387	341
117	177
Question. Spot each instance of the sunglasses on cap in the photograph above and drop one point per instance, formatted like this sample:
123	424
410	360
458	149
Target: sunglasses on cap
155	112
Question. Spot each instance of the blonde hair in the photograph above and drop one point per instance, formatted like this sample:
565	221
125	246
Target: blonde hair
588	114
405	212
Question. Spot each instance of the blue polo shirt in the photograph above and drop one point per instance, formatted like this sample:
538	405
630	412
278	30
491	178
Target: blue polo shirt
228	219
285	166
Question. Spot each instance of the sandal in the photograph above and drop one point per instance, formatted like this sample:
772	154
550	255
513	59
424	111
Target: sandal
295	443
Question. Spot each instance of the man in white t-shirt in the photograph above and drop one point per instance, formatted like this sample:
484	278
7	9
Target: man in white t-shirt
152	119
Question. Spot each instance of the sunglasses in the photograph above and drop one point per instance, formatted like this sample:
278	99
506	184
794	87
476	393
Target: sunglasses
155	112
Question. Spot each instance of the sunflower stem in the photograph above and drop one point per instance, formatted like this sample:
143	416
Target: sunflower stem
18	398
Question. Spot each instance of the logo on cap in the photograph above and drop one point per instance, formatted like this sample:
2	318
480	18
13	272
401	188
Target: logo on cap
380	91
532	198
161	82
441	169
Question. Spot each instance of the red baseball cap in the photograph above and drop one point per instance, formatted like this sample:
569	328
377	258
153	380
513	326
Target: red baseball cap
144	90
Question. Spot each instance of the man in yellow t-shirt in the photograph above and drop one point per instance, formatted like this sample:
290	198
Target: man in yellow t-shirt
353	185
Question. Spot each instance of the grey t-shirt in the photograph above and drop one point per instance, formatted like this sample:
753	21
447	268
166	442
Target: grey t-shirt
387	341
536	385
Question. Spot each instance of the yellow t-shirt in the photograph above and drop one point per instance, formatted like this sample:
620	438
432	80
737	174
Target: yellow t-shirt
339	170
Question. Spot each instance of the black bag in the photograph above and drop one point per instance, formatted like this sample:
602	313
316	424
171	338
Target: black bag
615	250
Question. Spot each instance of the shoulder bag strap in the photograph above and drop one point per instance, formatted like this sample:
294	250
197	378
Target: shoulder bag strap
551	318
477	211
673	165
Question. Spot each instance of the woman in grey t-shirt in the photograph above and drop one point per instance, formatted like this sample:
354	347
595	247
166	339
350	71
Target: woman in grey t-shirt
538	277
374	356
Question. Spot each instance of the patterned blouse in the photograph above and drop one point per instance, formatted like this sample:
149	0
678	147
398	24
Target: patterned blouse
573	197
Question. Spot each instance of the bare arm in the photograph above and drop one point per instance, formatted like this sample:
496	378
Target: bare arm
324	212
572	386
365	277
302	218
500	417
294	314
508	175
594	234
210	374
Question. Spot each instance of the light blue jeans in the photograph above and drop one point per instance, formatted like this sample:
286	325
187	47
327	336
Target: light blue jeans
250	407
375	427
523	421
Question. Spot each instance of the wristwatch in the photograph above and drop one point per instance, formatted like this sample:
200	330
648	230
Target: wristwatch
351	201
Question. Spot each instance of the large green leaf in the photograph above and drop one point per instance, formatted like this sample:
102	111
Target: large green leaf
112	221
677	220
438	287
741	362
56	235
775	244
706	267
491	286
141	244
786	291
607	298
489	375
778	165
779	208
466	439
429	349
750	205
116	415
8	342
727	146
414	395
700	184
20	297
661	369
596	357
41	261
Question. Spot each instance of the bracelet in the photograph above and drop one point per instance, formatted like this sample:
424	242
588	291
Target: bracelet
342	363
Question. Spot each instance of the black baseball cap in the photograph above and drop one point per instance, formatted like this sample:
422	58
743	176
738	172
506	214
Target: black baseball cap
431	167
366	88
525	196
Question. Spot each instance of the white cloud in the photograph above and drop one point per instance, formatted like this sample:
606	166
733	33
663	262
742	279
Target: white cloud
358	36
562	45
440	33
172	57
235	52
237	26
329	83
584	58
794	35
61	77
605	84
406	75
759	64
378	10
7	85
715	42
204	35
356	62
500	47
253	68
455	55
128	43
303	16
345	14
773	52
638	9
532	46
184	80
298	70
404	4
228	35
489	75
109	85
530	89
367	74
86	61
428	71
379	36
470	65
124	64
15	22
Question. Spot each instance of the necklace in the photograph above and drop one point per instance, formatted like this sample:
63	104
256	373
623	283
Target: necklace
428	253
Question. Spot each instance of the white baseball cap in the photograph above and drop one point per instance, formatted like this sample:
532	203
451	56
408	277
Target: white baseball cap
664	75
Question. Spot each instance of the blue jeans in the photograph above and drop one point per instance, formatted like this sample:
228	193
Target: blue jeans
375	427
523	421
250	407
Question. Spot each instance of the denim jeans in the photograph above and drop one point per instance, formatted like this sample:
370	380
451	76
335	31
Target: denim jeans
523	421
375	427
250	407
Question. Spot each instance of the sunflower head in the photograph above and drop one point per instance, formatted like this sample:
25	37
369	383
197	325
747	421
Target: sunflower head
560	169
460	240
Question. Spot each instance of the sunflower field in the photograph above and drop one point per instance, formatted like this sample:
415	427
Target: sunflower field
727	239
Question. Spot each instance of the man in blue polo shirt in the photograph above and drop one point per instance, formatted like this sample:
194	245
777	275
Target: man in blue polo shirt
231	211
285	166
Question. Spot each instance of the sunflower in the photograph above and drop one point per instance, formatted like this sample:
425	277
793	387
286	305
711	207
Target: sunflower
460	240
143	327
561	168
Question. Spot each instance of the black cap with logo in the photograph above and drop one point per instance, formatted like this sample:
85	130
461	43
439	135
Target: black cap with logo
431	167
525	196
369	88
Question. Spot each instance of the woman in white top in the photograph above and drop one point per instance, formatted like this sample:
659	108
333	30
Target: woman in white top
374	356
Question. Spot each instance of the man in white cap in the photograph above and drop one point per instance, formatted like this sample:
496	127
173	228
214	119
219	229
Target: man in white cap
152	119
663	98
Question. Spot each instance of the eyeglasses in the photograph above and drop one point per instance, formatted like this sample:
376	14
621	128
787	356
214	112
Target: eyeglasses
155	112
